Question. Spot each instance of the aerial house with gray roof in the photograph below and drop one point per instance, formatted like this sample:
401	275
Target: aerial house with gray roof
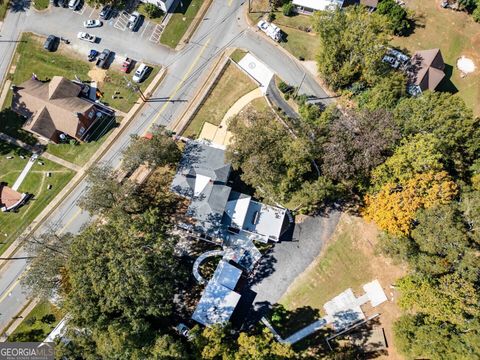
218	211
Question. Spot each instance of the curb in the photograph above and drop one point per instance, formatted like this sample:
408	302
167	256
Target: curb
185	118
14	323
14	247
319	81
194	25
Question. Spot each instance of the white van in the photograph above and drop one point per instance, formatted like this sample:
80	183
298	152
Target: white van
141	72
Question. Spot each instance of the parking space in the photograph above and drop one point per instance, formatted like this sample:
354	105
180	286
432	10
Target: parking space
141	45
156	33
81	10
122	21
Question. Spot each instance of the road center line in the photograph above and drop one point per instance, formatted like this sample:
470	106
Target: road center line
10	288
180	83
70	221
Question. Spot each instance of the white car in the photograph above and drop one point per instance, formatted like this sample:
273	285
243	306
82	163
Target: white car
73	4
86	36
141	72
92	23
133	20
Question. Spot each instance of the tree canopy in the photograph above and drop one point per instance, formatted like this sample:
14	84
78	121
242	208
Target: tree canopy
352	44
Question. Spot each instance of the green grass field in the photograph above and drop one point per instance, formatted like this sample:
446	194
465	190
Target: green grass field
230	87
456	34
12	224
298	42
238	55
38	323
342	266
80	153
181	19
156	19
3	8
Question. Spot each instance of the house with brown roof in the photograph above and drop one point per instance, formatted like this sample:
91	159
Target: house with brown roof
425	71
54	109
10	199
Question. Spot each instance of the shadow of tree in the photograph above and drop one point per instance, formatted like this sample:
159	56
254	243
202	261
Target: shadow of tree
19	5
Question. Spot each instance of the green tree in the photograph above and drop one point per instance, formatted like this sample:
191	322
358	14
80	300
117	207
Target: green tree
352	42
153	11
396	14
288	9
105	192
419	336
448	118
449	298
276	162
415	155
385	94
262	346
159	150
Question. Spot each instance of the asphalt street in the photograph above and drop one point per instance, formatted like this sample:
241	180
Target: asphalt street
223	26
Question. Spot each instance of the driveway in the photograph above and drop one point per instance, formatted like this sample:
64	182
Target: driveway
142	44
289	259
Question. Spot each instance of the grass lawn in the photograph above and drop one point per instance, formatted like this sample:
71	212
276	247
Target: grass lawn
41	4
181	19
12	224
230	87
116	81
80	153
341	267
238	55
154	19
3	9
456	34
38	323
297	41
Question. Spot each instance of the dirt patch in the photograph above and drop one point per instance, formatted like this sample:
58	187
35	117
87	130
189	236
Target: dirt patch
98	75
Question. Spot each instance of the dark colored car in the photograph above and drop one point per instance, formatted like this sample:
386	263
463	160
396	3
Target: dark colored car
54	3
106	12
63	3
102	61
50	43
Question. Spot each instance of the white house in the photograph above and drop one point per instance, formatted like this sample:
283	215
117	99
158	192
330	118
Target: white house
309	6
165	5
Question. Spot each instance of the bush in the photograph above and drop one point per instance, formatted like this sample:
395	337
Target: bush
396	14
48	319
476	14
284	87
271	16
288	9
153	11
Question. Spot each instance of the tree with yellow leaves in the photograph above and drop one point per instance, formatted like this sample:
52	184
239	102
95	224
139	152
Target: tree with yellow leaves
393	208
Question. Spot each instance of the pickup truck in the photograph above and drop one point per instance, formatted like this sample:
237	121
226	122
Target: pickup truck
102	61
272	30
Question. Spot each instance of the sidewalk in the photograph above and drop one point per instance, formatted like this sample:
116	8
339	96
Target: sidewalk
18	320
34	149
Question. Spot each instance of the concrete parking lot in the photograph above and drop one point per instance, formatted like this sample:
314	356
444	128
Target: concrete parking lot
141	44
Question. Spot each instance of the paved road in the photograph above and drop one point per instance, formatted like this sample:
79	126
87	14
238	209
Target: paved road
223	26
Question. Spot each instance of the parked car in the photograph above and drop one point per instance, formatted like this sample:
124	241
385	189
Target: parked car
73	4
50	43
133	20
127	64
54	3
92	23
141	73
63	3
86	36
92	55
106	12
183	329
102	61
